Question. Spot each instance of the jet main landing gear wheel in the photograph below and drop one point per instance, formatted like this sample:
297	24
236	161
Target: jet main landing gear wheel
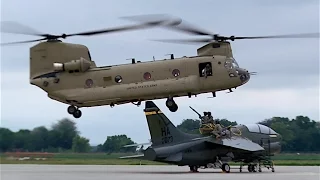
74	111
193	168
225	167
252	168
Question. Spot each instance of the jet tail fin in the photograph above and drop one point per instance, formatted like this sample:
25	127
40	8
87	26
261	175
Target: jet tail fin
162	130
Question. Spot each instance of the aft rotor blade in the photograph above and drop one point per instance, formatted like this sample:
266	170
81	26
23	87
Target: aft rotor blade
123	28
170	20
17	28
182	26
22	42
183	41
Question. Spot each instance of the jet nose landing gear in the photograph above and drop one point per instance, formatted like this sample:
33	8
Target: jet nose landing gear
74	111
171	104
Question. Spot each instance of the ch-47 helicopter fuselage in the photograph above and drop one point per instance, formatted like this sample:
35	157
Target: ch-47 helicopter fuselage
67	73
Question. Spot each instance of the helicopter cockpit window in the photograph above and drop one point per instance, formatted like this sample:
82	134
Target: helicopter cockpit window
234	63
205	69
228	64
118	79
231	63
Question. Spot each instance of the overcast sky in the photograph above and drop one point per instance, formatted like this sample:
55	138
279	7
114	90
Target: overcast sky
287	83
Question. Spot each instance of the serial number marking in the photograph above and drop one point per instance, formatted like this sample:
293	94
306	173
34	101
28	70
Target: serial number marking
166	135
166	140
142	86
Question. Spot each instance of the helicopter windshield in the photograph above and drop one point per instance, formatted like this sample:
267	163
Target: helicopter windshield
231	63
234	63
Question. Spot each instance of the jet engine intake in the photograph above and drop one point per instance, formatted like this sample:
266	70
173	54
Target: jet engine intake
79	65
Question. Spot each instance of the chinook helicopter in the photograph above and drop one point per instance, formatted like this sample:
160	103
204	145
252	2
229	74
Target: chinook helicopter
68	74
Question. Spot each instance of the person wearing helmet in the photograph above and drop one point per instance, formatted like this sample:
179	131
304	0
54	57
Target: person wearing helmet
218	129
204	118
210	118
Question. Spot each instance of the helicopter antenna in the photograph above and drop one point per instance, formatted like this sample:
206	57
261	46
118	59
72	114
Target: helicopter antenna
133	60
171	56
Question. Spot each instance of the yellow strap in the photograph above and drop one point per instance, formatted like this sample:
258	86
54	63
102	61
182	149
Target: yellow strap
153	112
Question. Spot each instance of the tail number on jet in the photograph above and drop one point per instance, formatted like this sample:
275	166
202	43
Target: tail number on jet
166	135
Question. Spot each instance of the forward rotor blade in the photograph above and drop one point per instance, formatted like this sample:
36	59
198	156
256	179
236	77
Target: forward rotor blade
302	35
208	40
188	28
22	42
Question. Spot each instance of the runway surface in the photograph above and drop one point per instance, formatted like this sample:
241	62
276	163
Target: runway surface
95	172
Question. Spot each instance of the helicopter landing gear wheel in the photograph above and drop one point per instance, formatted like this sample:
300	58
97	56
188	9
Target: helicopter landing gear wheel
71	109
74	111
171	105
77	114
225	167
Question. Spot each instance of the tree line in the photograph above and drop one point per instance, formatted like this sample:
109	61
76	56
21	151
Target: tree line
299	135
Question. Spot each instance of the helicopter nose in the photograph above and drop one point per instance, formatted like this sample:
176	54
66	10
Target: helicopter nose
244	75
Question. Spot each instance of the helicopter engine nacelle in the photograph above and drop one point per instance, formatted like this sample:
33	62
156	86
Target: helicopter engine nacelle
79	65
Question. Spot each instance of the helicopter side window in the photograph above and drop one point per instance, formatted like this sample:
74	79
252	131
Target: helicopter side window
175	72
118	79
205	69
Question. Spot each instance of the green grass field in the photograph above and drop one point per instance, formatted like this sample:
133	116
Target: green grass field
112	159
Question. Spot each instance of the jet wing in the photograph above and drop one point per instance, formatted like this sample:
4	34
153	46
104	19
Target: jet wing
135	145
238	143
138	156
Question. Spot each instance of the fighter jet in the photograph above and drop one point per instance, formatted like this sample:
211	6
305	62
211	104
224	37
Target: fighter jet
251	145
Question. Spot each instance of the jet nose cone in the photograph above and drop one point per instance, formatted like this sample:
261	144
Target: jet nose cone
244	75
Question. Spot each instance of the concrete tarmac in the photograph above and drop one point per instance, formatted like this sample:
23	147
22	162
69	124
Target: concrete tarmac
97	172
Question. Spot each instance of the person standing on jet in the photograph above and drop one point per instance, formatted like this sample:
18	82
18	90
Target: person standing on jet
210	118
204	118
218	129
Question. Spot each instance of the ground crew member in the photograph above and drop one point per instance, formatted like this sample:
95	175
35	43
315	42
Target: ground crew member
207	71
